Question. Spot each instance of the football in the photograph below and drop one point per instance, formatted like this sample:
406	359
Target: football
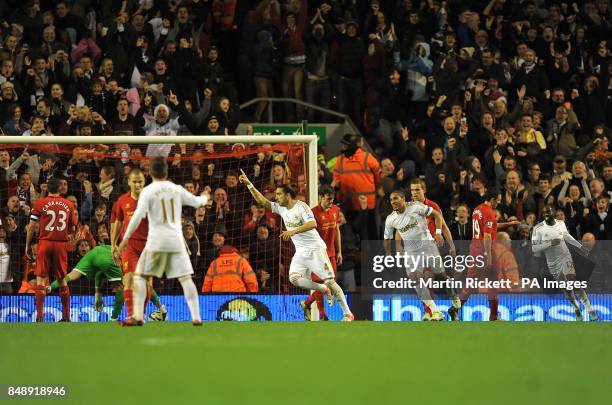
157	315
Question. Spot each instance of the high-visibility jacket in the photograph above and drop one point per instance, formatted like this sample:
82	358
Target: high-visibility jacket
356	175
230	272
29	267
506	265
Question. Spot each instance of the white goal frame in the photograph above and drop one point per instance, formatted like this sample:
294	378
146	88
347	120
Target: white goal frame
309	140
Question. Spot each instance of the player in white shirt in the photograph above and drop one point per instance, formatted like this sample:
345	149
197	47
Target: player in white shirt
310	251
410	220
165	251
551	237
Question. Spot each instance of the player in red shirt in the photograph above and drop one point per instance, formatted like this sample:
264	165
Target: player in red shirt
56	218
417	192
122	212
484	226
327	216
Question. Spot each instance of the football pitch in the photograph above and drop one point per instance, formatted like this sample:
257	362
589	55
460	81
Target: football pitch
316	362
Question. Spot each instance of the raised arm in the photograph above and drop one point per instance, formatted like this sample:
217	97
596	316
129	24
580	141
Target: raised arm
192	200
259	198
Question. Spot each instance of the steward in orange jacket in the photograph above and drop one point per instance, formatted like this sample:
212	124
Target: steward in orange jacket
356	172
505	263
230	272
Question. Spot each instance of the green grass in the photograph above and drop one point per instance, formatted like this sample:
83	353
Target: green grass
314	363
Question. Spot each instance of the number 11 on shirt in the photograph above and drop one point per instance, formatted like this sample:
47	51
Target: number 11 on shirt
171	206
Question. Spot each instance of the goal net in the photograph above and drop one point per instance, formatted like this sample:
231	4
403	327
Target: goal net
93	174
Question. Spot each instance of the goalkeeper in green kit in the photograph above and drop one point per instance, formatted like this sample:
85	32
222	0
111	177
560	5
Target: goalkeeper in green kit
98	263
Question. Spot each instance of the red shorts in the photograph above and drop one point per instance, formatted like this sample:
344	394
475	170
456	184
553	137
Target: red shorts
316	278
479	272
129	259
52	257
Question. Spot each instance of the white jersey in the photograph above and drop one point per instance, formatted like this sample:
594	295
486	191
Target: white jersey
296	217
557	257
411	224
162	202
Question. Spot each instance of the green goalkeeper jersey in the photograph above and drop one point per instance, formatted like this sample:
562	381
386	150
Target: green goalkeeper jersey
98	262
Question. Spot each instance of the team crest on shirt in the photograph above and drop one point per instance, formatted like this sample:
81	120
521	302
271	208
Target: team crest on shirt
127	205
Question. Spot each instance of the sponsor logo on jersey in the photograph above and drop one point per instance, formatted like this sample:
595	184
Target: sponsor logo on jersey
294	224
411	224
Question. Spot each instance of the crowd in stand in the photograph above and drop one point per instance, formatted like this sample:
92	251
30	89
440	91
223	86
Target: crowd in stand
469	95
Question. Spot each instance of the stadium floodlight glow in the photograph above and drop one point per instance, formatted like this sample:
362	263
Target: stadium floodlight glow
310	142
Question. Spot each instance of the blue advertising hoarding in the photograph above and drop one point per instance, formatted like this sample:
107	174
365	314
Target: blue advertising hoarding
21	308
512	307
407	307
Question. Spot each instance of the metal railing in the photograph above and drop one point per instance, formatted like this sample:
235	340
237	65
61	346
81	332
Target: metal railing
351	127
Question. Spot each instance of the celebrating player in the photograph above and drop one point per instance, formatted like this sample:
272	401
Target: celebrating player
310	251
410	220
97	263
122	212
57	219
327	215
417	192
550	236
484	225
165	251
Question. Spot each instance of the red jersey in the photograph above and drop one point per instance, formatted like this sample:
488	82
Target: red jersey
57	218
123	209
431	221
327	225
483	221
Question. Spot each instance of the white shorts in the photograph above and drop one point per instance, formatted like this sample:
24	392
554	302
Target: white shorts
172	264
562	268
428	257
314	261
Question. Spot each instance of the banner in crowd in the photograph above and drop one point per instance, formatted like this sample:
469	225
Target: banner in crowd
288	129
512	307
20	308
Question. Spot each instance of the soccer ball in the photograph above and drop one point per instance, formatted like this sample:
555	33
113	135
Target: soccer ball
157	315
